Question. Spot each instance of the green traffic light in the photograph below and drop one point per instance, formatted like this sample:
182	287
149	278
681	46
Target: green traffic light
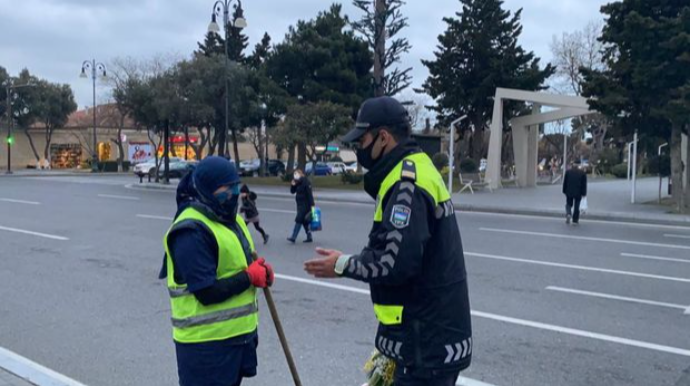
10	140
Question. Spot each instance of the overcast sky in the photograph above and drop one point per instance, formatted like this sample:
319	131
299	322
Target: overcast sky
52	37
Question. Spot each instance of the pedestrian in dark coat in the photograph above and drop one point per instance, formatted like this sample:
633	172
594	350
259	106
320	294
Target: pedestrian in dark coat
250	211
574	188
304	197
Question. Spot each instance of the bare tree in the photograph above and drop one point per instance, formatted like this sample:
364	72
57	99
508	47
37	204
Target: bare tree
381	22
573	51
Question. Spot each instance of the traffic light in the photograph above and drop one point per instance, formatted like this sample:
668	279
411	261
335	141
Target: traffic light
10	140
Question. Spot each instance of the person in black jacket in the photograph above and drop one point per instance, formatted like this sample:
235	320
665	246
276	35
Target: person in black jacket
250	211
304	197
413	261
574	188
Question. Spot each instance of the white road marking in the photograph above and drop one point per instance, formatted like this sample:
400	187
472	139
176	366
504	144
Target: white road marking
323	284
585	334
578	267
561	220
131	198
19	201
586	238
524	323
462	381
32	371
44	235
671	236
686	309
153	217
648	257
277	211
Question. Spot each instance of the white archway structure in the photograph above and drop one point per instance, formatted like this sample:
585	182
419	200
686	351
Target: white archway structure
526	131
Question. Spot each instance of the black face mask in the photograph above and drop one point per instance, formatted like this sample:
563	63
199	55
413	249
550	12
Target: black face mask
364	155
228	202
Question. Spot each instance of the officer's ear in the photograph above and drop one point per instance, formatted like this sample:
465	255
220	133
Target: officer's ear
387	139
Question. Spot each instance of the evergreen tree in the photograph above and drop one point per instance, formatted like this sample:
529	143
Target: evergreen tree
321	61
646	83
212	45
477	53
237	40
261	52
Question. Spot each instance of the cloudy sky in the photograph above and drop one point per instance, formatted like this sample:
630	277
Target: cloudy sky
52	37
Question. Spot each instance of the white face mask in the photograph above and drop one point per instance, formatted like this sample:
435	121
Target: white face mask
297	176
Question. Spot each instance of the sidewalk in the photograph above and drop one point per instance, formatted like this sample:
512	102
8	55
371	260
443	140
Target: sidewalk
609	200
9	379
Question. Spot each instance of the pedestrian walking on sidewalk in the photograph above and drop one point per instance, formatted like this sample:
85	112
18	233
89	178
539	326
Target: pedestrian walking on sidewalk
250	211
575	189
304	197
414	261
212	279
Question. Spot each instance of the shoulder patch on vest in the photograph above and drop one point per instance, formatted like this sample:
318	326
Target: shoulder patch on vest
409	171
400	216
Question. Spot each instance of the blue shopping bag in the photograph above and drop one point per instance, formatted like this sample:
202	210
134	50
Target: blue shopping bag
315	224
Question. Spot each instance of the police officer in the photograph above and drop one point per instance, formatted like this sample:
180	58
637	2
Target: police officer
414	260
212	279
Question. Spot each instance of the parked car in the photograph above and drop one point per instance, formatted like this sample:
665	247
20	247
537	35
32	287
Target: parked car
351	167
250	167
177	168
276	167
337	167
321	169
148	168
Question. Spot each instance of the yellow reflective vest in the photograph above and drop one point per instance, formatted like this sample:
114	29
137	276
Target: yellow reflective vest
194	322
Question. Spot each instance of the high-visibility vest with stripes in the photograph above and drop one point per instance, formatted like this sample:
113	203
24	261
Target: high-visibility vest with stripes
194	322
419	168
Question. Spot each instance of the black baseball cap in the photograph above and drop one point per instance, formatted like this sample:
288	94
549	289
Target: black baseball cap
375	113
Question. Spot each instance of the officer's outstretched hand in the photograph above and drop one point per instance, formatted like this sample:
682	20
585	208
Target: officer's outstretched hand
260	273
323	266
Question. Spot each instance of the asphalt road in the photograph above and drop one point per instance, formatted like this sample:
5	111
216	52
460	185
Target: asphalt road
601	304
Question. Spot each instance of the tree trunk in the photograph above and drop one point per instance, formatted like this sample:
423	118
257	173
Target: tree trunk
202	144
302	156
33	147
46	150
687	173
380	47
677	167
290	168
235	148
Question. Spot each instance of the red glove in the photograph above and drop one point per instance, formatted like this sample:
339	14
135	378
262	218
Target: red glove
260	273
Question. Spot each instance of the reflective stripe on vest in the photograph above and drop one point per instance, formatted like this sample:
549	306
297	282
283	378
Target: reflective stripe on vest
215	317
427	178
194	322
388	315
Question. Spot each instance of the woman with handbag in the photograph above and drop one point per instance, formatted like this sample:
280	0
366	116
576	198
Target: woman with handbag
304	197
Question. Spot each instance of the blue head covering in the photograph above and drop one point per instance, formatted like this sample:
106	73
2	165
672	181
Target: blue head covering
211	174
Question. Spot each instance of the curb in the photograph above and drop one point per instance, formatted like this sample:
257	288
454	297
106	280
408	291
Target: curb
33	372
609	217
60	174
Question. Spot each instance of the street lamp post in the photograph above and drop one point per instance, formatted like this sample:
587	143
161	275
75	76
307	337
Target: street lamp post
96	69
237	22
10	140
451	156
